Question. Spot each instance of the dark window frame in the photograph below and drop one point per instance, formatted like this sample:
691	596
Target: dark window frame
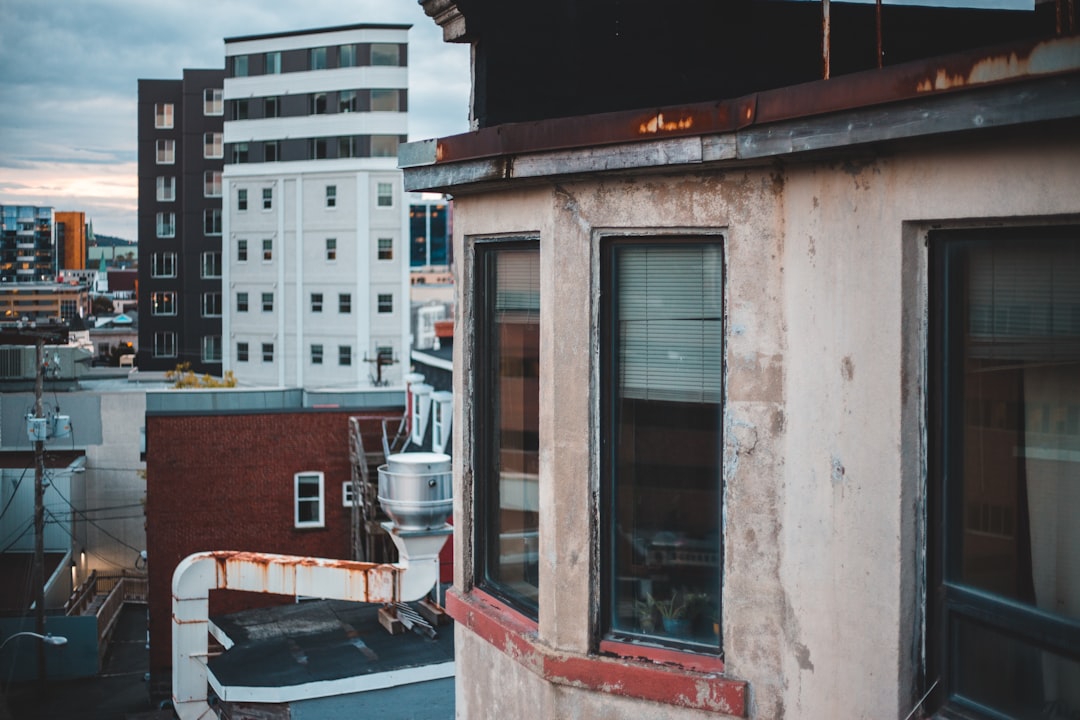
952	603
608	429
486	423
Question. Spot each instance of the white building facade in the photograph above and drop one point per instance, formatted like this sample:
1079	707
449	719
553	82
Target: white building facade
316	265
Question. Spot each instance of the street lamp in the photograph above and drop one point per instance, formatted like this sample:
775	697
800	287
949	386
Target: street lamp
48	639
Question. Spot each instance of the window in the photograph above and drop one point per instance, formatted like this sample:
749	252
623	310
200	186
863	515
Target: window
384	145
344	303
386	100
268	302
318	104
163	265
166	188
268	352
385	54
271	151
331	196
164	344
316	354
241	352
331	249
385	303
166	225
240	66
270	107
318	58
212	183
1004	458
318	149
240	153
347	494
347	147
212	221
166	152
241	199
347	101
211	264
240	110
163	303
316	302
268	250
241	250
163	116
384	193
442	407
347	56
213	104
508	421
241	302
211	304
212	145
211	348
268	198
309	499
661	346
273	63
344	355
386	248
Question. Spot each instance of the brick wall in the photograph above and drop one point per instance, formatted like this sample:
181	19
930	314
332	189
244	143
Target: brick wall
225	482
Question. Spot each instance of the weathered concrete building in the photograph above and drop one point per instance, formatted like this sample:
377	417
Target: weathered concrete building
792	360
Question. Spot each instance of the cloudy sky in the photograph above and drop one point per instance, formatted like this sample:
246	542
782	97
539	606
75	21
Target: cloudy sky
69	72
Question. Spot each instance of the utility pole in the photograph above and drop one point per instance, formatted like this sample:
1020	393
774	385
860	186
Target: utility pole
39	509
37	333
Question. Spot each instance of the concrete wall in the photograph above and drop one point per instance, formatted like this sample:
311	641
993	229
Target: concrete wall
823	437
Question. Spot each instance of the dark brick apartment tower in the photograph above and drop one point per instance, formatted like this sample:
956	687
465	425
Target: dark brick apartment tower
181	154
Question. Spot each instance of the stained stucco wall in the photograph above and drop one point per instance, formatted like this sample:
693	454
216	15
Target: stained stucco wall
824	450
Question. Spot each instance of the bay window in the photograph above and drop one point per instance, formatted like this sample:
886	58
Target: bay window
508	421
661	429
1004	482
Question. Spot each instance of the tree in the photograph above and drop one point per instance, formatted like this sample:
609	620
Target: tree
184	377
102	305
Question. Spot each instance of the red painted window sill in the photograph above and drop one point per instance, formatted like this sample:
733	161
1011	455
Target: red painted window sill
663	676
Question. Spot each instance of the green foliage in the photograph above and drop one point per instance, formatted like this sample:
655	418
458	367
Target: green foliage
184	377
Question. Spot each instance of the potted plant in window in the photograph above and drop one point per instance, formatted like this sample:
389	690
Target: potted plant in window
677	613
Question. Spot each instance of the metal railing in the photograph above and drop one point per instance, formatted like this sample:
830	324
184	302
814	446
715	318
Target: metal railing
104	595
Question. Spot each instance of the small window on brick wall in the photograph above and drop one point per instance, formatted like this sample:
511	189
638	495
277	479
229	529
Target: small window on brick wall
310	503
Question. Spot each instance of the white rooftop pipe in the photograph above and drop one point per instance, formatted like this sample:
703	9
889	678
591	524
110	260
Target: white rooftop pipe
411	578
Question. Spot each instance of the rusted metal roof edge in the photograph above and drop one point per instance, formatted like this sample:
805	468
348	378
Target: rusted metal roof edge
1038	100
1011	63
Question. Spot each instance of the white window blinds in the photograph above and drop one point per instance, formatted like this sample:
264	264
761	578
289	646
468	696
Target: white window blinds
670	322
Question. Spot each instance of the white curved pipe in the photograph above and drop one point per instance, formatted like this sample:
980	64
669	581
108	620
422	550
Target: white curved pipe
409	579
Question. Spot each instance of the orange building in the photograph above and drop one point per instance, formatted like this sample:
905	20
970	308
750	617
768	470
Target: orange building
71	240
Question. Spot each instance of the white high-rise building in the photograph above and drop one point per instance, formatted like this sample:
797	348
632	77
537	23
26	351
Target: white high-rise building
316	263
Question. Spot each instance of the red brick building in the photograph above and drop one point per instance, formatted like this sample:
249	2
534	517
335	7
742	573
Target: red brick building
269	480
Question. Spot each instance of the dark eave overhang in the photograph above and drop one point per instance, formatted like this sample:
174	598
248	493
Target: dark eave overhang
996	87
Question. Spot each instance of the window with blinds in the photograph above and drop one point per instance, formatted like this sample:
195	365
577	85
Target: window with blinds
670	322
661	310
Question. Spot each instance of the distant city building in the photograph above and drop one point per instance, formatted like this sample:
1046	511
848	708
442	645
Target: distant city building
429	231
43	300
315	260
71	240
27	244
181	151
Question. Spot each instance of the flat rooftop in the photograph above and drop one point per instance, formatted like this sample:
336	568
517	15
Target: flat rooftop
322	641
